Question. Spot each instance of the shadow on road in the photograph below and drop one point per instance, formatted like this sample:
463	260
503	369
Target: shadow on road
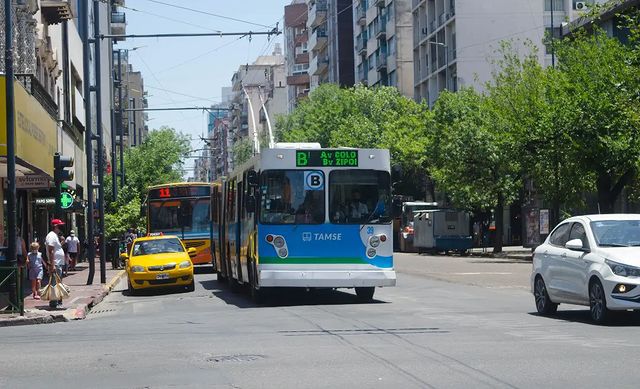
283	297
203	269
618	319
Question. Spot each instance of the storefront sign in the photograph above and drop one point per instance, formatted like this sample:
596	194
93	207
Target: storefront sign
36	140
32	182
45	201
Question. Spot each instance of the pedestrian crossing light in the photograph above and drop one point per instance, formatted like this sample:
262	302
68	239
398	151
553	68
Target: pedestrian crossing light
61	174
64	200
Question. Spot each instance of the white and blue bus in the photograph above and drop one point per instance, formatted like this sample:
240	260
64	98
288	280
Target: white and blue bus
306	217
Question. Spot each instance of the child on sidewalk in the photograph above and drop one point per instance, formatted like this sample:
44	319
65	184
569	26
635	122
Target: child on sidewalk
35	265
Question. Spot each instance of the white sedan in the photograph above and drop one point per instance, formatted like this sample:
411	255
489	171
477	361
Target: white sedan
591	260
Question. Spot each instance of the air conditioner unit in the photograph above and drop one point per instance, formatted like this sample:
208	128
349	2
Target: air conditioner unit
581	6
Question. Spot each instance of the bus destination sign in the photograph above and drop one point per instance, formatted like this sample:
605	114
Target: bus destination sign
326	158
179	191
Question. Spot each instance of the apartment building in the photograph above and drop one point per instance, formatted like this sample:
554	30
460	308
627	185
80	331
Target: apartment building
296	51
383	41
455	41
259	93
330	42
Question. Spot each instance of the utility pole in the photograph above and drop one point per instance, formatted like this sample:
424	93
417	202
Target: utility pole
132	103
120	118
100	139
11	154
88	137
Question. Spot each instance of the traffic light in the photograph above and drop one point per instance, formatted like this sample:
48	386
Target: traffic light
60	175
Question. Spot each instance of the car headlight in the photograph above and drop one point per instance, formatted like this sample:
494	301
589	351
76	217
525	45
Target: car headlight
137	269
623	270
185	264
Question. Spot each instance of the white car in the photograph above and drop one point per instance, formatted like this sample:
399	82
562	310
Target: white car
591	260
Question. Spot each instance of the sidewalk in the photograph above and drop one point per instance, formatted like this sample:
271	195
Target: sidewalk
81	298
508	252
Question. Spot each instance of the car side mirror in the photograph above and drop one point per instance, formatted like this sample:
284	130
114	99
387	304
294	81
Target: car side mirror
191	251
576	245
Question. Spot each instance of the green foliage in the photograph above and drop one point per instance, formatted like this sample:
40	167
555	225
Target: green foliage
158	160
242	151
366	118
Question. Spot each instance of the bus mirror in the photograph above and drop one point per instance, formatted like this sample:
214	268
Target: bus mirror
252	178
251	204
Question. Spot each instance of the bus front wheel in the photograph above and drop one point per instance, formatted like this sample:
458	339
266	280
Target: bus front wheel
365	293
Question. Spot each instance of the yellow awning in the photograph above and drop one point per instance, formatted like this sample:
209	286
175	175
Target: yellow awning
35	131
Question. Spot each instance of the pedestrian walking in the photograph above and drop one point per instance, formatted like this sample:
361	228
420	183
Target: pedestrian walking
73	249
36	269
55	255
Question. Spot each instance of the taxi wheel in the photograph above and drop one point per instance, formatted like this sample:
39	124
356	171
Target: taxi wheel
130	290
192	286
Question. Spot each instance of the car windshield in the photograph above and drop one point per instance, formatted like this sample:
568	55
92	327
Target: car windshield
616	233
157	246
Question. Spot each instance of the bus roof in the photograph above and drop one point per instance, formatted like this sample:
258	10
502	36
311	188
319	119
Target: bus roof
175	184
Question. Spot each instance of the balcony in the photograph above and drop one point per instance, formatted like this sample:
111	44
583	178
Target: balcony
380	30
444	17
33	86
301	58
361	14
361	45
381	62
378	3
318	39
55	11
363	75
118	24
323	65
318	13
298	79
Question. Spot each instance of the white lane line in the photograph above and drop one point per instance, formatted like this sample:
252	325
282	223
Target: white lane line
74	300
482	274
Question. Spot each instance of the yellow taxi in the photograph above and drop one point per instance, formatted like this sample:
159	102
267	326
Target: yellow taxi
159	261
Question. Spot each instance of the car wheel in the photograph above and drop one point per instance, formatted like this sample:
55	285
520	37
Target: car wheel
192	286
544	305
366	293
598	303
130	290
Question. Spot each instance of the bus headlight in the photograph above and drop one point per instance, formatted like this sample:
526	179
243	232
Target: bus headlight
282	253
278	242
371	253
374	241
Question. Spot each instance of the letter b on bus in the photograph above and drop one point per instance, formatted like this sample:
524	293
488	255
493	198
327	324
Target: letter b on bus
313	180
302	159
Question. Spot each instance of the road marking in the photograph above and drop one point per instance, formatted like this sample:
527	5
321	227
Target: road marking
482	274
74	300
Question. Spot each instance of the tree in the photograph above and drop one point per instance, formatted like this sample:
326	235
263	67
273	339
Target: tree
242	151
600	76
158	160
476	162
365	118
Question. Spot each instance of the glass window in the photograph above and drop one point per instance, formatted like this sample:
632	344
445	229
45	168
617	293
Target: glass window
180	215
157	246
560	235
558	5
578	232
359	197
616	233
292	197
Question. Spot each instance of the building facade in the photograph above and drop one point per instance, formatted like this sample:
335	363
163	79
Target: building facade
296	49
455	41
383	36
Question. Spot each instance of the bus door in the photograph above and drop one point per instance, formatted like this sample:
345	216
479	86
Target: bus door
240	239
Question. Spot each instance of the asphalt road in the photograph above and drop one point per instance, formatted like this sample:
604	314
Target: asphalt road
450	322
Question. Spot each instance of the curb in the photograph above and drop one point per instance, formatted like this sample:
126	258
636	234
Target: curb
82	310
77	313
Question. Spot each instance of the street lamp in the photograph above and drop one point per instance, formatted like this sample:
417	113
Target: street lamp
446	56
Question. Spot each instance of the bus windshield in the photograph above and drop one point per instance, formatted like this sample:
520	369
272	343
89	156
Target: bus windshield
292	197
180	216
359	197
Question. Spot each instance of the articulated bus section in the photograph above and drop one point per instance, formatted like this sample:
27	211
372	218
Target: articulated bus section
309	218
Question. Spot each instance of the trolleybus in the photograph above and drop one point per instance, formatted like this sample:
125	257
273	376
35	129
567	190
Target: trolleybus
183	209
309	218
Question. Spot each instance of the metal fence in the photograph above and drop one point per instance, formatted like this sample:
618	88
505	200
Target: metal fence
7	274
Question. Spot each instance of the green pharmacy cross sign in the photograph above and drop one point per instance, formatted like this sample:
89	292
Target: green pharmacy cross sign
66	200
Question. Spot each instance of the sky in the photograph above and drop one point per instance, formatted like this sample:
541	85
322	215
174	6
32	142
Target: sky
188	72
